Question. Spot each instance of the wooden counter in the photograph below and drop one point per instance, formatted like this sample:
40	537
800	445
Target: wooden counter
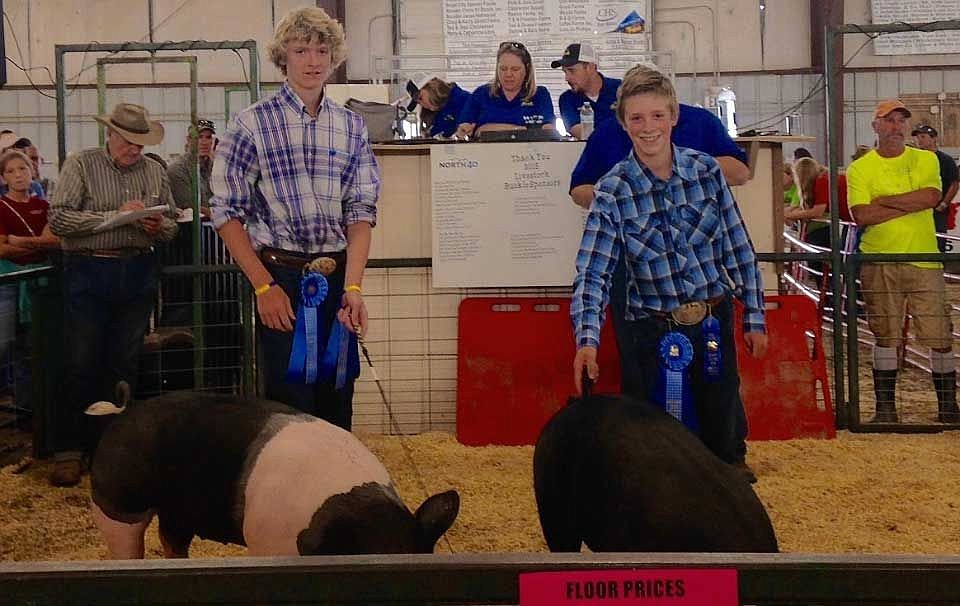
404	228
761	198
414	335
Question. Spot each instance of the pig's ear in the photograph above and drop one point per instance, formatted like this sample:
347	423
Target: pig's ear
436	514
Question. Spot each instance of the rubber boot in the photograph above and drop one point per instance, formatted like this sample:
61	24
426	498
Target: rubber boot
885	388
945	384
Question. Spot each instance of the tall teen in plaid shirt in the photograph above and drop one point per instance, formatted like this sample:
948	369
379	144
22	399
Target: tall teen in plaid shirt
668	211
293	179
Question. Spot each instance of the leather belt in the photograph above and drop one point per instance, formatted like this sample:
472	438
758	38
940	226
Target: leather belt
690	313
113	253
298	260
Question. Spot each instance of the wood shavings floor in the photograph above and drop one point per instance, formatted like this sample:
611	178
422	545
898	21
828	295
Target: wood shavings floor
856	494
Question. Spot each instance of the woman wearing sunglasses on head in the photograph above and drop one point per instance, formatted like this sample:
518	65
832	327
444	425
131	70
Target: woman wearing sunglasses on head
512	100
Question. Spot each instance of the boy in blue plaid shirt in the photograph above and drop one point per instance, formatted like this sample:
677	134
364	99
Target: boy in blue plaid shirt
668	211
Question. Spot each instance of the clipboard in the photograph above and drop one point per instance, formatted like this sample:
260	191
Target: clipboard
125	217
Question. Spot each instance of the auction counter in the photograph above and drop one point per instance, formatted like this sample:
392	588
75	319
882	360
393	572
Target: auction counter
506	206
405	224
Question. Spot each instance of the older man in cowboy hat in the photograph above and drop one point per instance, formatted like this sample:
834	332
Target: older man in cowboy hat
110	274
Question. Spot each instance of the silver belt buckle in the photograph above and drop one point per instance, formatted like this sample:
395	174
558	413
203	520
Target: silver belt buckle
322	265
689	314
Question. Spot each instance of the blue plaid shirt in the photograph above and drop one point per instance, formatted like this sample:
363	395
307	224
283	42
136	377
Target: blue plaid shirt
683	240
295	181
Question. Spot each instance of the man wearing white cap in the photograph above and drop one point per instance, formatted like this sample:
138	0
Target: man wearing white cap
587	85
110	273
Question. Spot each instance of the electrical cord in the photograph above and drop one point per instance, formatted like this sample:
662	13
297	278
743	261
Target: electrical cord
820	84
243	65
26	70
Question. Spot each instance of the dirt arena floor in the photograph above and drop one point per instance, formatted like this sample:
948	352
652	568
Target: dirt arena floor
858	493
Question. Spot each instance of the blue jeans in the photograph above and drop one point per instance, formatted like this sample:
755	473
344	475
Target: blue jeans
723	422
322	398
106	304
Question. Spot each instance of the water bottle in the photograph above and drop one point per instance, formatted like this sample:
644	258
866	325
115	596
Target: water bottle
586	121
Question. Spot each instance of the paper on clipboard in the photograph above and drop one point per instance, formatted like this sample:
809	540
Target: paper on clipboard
125	217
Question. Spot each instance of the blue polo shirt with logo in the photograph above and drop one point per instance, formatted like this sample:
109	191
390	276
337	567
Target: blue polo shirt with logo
696	128
448	117
571	102
482	109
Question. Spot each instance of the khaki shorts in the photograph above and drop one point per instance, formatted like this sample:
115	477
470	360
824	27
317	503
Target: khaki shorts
889	288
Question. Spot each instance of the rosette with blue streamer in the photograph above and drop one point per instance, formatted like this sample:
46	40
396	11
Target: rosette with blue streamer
712	359
341	358
673	389
308	332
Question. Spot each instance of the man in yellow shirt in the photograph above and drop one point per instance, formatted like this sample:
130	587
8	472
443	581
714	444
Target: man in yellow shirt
891	191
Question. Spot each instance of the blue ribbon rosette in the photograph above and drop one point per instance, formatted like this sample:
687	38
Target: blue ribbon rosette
338	359
305	353
712	360
673	390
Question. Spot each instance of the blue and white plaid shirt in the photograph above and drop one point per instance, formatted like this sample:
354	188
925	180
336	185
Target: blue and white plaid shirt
683	240
294	180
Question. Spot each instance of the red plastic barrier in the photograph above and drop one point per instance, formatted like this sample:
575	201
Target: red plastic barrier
515	369
786	393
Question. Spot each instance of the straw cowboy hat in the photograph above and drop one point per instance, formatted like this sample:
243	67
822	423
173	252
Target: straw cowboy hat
133	123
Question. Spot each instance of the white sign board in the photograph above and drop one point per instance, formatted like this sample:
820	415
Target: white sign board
502	214
472	30
916	11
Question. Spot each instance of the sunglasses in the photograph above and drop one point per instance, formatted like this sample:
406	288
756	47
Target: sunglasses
515	45
204	124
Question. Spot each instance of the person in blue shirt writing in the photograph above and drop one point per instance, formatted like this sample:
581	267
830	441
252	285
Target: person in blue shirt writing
587	85
668	213
512	100
442	102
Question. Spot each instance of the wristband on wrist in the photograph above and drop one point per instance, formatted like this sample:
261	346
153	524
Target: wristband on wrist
353	288
263	289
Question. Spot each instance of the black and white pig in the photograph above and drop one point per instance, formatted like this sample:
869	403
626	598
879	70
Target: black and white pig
250	472
622	475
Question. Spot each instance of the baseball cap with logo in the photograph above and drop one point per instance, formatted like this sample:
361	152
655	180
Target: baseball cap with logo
576	53
924	129
412	88
884	108
204	124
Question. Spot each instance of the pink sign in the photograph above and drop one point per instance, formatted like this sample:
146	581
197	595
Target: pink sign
645	586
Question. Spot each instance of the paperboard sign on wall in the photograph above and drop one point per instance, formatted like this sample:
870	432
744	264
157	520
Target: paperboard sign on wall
915	11
502	215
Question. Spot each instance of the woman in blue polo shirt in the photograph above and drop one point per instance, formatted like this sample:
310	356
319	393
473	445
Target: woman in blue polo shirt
443	101
512	101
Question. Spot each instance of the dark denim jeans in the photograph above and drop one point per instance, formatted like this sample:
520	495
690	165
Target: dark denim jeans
723	422
320	399
106	304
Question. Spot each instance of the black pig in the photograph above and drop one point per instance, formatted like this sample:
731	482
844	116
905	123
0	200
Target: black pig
622	475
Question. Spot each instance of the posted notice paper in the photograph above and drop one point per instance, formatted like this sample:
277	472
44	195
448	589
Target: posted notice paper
125	217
